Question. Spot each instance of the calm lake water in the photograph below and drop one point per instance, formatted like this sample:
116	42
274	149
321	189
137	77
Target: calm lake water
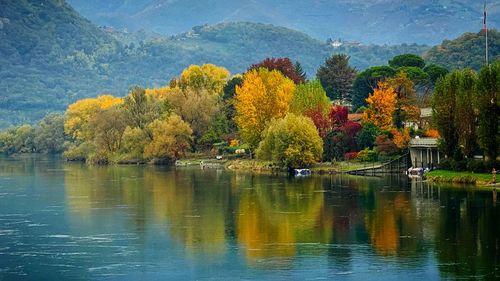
63	221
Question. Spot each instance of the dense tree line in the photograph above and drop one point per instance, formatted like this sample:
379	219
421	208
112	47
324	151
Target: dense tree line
273	113
466	110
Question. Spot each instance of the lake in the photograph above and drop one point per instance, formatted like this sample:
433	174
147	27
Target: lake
67	221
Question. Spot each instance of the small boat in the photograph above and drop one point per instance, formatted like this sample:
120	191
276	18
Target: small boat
302	172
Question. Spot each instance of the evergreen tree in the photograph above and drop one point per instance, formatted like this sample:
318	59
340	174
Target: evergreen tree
336	77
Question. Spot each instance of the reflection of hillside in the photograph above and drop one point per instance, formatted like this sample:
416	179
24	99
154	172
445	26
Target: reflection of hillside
273	219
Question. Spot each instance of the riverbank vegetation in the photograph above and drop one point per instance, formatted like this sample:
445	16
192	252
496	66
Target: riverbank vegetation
271	113
466	108
463	177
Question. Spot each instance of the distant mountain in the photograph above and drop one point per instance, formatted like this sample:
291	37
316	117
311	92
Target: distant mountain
369	21
51	56
468	50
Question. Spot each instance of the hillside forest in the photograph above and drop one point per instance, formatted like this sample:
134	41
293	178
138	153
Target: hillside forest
51	56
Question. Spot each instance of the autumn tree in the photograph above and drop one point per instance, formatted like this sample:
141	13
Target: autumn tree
134	141
207	77
171	138
309	96
320	119
488	105
80	113
341	138
140	108
264	95
405	99
283	65
196	107
336	77
381	106
292	142
108	125
367	81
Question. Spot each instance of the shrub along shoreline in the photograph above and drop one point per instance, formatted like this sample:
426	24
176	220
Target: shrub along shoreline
479	179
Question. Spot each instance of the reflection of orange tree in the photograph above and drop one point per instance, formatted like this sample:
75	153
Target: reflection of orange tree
272	219
195	212
392	224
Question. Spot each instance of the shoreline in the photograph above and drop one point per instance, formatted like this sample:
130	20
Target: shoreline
478	179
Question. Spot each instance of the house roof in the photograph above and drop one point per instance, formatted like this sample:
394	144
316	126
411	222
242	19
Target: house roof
425	112
424	142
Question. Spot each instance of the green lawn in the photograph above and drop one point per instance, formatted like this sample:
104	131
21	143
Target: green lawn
458	177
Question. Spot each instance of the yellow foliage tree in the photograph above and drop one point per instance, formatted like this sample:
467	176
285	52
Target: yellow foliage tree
171	138
80	114
381	106
159	93
208	76
263	96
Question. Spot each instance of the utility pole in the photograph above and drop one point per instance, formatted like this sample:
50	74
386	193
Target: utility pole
486	33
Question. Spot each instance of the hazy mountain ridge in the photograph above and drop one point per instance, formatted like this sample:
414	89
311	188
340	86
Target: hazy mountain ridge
369	21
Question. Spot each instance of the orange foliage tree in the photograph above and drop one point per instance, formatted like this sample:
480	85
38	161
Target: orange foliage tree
381	106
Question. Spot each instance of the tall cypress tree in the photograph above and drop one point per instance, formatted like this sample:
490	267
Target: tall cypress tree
487	103
443	106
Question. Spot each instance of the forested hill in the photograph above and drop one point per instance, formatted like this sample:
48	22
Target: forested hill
369	21
45	50
51	56
468	50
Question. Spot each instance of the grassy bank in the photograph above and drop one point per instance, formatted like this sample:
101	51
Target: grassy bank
341	166
459	177
254	165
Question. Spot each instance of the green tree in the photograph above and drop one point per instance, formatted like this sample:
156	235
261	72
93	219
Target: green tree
134	140
300	71
465	117
49	134
292	142
336	77
308	97
404	60
140	109
367	81
367	135
487	103
435	72
443	106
